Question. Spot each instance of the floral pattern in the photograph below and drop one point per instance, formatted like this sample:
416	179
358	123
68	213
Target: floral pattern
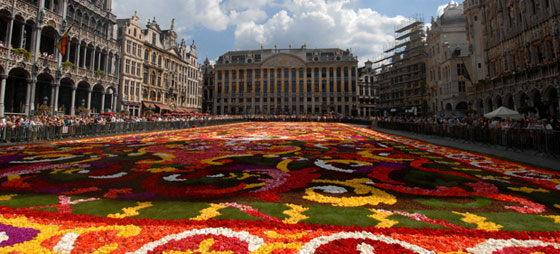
310	172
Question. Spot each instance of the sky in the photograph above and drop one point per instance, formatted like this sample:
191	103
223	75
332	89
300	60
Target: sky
218	26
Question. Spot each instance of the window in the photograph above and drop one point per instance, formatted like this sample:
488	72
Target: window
133	70
138	69
127	67
140	51
128	46
154	58
133	48
462	87
460	70
146	55
145	77
159	61
153	79
153	38
126	87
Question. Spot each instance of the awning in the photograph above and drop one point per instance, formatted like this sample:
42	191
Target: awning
162	106
149	105
134	104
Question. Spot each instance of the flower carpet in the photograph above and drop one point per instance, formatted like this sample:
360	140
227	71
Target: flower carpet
271	188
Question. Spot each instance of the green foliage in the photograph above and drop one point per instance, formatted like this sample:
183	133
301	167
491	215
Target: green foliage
68	65
441	203
22	51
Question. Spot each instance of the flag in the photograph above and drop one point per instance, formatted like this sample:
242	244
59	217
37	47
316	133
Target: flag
62	44
466	73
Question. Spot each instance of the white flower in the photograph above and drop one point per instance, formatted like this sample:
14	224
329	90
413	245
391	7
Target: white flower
331	189
492	245
312	245
253	241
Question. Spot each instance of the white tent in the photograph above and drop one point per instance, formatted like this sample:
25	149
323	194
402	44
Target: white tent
505	113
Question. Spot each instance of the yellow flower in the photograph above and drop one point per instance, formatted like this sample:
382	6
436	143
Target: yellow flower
527	189
295	214
480	222
210	212
382	218
7	197
376	196
130	211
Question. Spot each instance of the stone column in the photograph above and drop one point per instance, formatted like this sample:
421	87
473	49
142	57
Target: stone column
73	101
89	99
8	39
53	88
36	40
102	102
98	61
32	101
92	60
55	97
28	97
21	36
114	106
312	90
106	68
78	54
3	79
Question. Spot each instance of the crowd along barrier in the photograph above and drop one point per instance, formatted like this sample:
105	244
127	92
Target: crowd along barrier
542	141
22	134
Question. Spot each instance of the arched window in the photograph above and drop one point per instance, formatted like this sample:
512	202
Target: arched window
154	58
153	79
146	55
159	61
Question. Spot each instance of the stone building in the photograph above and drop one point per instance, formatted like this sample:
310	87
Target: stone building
516	53
401	78
366	90
34	76
172	79
448	52
208	87
132	67
286	81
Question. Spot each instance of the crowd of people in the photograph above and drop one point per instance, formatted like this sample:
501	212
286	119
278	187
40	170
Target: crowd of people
494	123
25	121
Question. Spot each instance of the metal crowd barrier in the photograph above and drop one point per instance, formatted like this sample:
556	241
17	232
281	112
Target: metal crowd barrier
542	141
21	134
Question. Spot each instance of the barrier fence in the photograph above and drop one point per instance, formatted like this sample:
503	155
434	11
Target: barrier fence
21	134
543	141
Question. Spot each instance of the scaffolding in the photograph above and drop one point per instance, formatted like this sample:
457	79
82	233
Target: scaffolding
401	71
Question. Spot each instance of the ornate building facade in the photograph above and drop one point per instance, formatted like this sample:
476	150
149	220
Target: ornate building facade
132	65
516	55
448	53
32	72
286	81
367	95
208	75
172	79
401	78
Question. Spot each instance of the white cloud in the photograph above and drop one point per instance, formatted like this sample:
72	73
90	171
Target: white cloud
318	23
441	8
321	23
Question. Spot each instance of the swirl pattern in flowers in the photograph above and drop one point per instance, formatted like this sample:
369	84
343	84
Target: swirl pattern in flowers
291	176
